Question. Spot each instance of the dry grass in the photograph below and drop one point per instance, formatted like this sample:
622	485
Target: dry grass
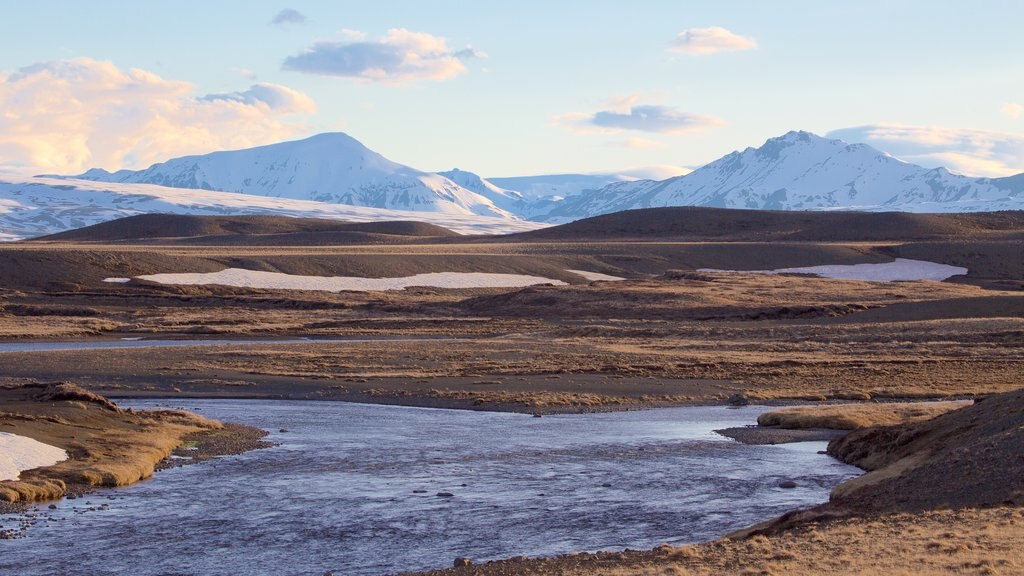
854	416
106	447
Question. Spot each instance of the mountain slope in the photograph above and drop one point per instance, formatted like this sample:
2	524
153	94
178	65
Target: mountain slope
331	167
35	206
508	200
556	186
802	171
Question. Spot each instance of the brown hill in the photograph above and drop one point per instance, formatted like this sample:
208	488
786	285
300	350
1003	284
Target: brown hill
247	230
964	459
691	223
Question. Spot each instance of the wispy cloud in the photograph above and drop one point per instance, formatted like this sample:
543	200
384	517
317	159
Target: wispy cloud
965	151
1013	110
699	41
400	57
273	96
288	16
655	172
628	114
66	116
352	35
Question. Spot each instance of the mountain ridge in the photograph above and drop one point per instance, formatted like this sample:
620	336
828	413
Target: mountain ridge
330	167
802	171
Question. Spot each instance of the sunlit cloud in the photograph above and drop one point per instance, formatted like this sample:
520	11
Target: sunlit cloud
400	57
969	152
700	41
1013	110
67	116
626	114
288	16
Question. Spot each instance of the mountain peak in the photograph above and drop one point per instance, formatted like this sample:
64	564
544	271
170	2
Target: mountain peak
800	137
330	167
800	170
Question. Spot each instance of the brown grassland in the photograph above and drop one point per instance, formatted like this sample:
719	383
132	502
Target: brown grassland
944	492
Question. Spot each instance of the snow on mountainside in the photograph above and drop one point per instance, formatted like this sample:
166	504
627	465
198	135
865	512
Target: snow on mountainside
802	171
556	186
35	206
331	167
508	200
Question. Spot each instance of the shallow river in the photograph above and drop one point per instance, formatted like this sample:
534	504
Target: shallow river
341	492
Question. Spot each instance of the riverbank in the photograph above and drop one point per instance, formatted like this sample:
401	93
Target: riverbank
944	495
105	446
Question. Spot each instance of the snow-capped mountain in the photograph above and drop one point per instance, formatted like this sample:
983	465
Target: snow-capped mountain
802	171
555	187
332	167
34	206
508	200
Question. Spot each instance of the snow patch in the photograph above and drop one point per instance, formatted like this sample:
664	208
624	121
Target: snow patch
596	276
242	278
118	280
18	453
899	270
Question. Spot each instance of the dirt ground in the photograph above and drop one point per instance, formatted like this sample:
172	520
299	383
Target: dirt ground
677	340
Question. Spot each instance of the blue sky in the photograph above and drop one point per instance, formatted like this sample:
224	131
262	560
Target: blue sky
572	86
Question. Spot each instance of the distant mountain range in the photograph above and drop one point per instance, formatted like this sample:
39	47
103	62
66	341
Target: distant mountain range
333	175
802	171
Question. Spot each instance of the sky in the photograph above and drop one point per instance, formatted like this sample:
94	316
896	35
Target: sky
512	88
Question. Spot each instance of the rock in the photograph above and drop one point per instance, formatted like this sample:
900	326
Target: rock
460	561
52	506
445	495
787	484
419	491
606	485
737	400
283	430
538	415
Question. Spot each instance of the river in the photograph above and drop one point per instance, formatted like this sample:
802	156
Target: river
360	489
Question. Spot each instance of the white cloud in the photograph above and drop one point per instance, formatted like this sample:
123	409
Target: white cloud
399	57
970	152
699	41
288	16
353	35
67	116
626	114
274	96
1013	110
655	172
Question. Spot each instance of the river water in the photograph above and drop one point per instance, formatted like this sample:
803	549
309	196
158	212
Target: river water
354	489
71	345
